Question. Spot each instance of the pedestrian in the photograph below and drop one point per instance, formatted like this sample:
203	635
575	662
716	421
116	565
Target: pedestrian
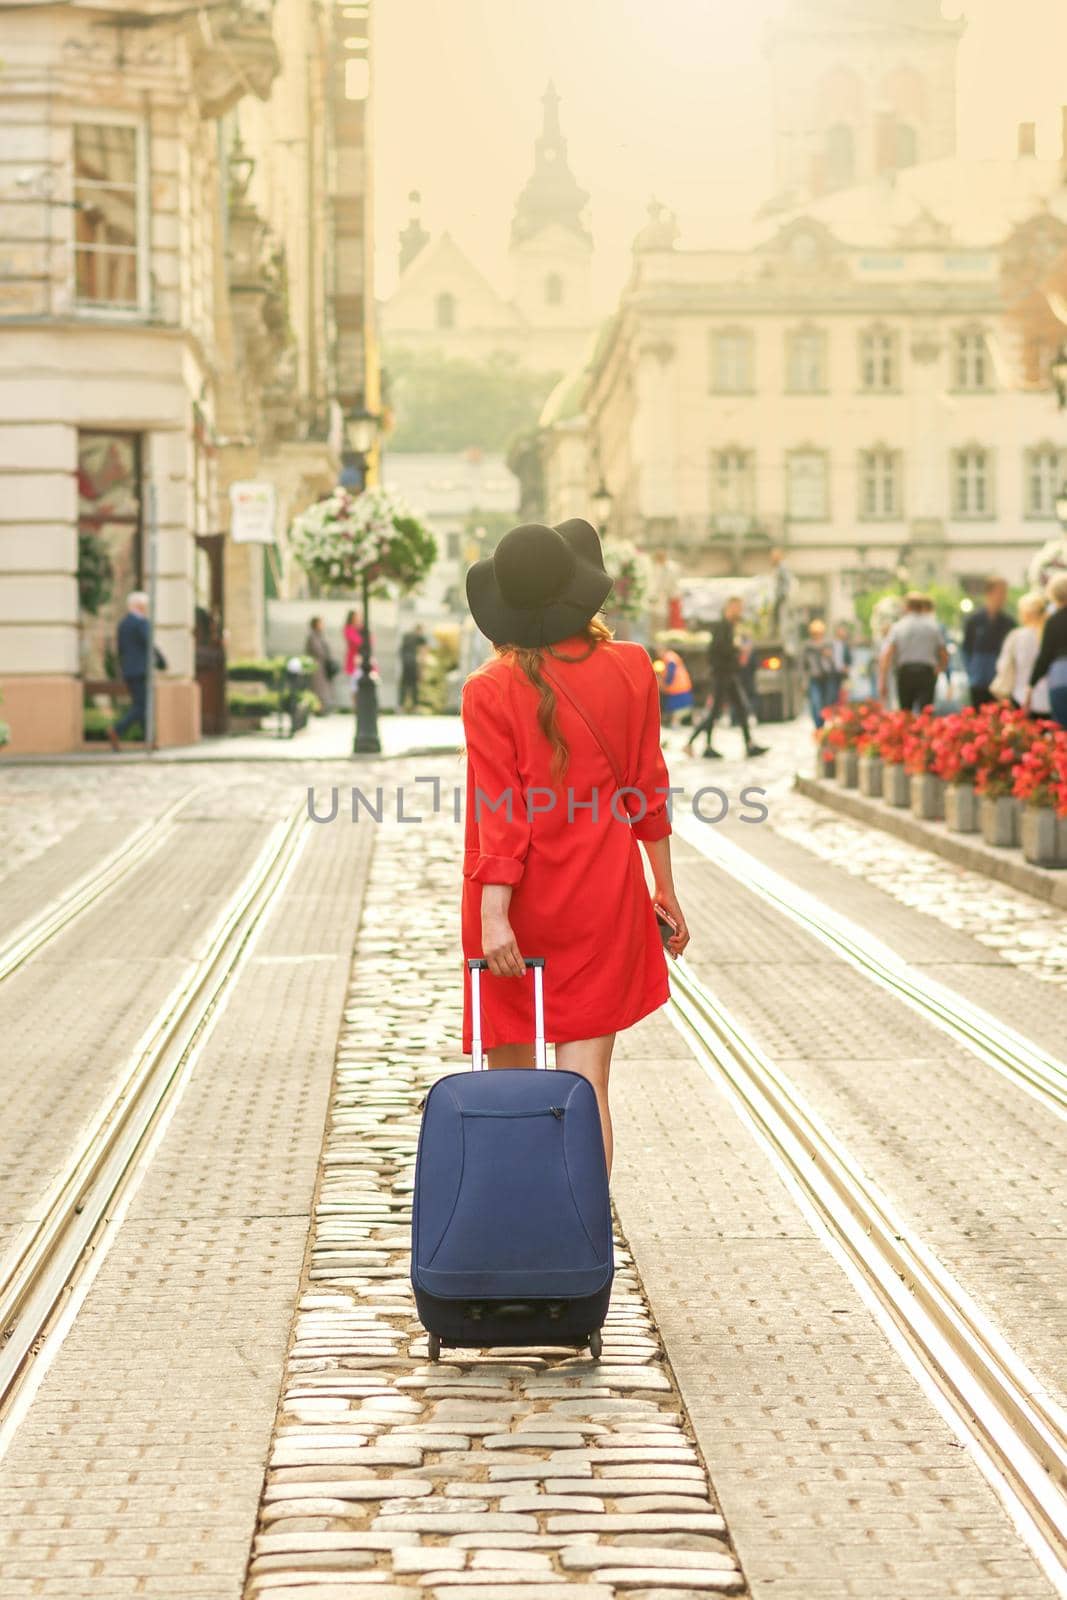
1017	656
353	637
675	685
1052	657
324	671
725	684
781	587
132	640
557	872
842	649
983	639
410	646
817	665
915	652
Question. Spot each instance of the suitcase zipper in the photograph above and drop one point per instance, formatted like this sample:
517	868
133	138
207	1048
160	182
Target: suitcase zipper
547	1111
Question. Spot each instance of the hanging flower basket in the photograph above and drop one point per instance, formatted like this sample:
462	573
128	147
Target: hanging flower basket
340	539
631	571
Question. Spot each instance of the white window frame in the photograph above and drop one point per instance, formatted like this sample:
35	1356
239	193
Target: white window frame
746	342
964	508
812	453
1046	510
965	365
880	468
88	308
879	365
740	475
817	336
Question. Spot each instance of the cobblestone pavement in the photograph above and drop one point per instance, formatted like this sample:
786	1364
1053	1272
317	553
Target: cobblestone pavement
510	1474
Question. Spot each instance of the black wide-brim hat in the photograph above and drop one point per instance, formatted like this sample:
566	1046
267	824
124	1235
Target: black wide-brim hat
540	584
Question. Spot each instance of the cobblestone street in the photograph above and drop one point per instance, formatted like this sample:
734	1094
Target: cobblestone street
233	1397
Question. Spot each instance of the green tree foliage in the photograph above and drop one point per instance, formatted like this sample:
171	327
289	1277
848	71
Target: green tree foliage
448	403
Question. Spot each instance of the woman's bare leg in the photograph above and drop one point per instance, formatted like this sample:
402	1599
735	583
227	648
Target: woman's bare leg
511	1055
592	1059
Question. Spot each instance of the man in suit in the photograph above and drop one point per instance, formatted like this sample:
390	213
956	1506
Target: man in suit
725	683
133	634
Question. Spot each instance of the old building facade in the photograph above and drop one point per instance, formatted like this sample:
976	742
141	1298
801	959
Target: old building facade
149	354
853	379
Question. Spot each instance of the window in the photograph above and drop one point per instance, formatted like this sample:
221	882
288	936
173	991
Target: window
807	490
553	289
732	362
108	215
972	367
110	554
1043	472
805	368
446	310
880	475
878	360
733	483
840	157
905	145
972	482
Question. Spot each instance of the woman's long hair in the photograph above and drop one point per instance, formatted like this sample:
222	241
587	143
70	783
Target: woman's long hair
597	632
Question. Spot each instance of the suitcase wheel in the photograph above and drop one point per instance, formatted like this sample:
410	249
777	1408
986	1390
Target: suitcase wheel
596	1345
434	1345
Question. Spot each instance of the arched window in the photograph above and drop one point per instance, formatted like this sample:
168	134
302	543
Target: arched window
906	145
840	156
553	289
446	310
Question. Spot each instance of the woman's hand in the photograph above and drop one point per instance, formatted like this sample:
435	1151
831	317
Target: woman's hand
498	940
667	901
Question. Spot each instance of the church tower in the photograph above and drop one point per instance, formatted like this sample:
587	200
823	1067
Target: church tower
551	246
862	88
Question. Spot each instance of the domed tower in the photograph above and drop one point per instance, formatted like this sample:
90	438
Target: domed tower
861	88
551	246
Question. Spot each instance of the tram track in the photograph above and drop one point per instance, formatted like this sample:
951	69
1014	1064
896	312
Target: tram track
41	1272
132	853
1016	1431
1000	1046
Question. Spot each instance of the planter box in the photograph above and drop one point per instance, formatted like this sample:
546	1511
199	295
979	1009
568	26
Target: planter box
870	776
824	763
1044	837
1000	821
927	796
896	785
961	808
846	768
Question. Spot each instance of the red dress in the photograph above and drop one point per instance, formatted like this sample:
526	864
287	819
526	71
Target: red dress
580	898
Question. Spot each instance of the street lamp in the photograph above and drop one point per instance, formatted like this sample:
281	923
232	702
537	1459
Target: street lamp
361	431
1059	375
1061	505
602	505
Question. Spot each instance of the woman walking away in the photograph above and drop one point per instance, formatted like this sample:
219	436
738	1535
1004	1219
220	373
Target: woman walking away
1017	656
1052	657
325	668
565	776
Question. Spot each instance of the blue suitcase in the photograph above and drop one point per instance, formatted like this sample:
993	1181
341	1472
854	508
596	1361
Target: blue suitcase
511	1226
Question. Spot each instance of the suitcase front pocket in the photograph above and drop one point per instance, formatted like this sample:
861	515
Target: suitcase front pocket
515	1209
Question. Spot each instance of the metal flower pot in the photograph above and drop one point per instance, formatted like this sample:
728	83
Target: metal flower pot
927	796
846	768
896	785
961	808
1044	837
1000	820
870	776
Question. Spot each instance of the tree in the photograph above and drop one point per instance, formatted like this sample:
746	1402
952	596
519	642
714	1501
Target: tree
449	403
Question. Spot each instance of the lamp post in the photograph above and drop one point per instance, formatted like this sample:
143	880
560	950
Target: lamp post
361	430
1061	505
602	506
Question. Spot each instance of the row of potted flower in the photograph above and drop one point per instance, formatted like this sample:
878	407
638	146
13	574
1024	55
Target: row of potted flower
994	771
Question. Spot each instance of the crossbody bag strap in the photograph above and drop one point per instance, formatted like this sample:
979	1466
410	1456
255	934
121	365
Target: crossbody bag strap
557	683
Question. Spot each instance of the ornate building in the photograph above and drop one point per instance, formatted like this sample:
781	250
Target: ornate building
862	377
444	302
154	346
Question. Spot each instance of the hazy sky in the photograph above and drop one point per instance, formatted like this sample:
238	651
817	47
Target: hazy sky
664	97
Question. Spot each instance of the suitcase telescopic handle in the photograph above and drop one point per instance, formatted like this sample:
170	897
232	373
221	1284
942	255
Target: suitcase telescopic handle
476	966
